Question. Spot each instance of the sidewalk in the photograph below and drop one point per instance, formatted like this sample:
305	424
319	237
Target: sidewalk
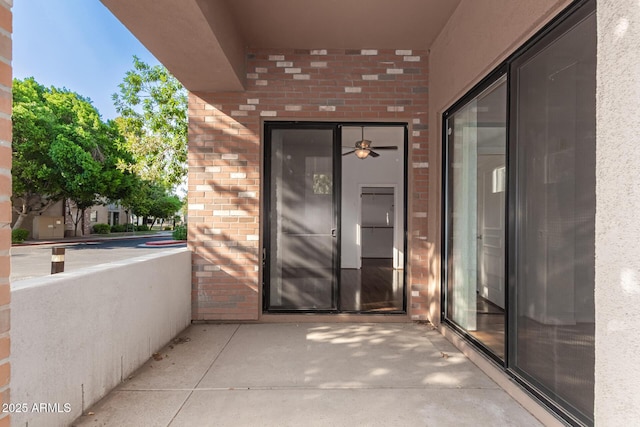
308	375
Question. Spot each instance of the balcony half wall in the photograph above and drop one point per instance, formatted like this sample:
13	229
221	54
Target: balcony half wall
77	335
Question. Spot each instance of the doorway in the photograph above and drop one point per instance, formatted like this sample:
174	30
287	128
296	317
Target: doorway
376	285
114	218
334	221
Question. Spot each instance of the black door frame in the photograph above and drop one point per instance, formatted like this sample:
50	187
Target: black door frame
559	25
447	212
337	194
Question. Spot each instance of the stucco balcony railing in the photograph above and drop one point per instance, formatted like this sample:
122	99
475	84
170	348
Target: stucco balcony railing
77	335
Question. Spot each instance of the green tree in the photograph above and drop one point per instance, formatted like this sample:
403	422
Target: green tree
165	207
36	181
87	152
63	150
153	109
151	200
139	200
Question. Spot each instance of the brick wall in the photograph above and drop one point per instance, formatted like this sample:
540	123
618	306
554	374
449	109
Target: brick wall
5	202
225	155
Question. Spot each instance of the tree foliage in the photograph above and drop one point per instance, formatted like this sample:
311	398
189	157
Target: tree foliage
153	109
165	207
139	200
36	181
63	150
149	199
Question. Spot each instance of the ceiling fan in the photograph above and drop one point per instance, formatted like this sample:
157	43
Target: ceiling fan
363	148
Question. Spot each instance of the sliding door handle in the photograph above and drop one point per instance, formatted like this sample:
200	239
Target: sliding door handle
333	232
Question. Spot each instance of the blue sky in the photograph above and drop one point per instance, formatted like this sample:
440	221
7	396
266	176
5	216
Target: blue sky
77	44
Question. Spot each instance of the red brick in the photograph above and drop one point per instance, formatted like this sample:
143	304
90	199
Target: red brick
5	74
240	135
5	347
6	19
5	47
5	290
5	374
5	209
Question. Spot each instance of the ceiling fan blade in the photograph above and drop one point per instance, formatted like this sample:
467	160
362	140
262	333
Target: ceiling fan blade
386	147
373	153
348	152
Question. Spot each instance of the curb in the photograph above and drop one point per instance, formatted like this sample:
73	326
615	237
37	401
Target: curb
166	243
163	244
84	240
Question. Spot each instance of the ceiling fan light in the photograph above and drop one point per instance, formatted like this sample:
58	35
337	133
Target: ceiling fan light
361	153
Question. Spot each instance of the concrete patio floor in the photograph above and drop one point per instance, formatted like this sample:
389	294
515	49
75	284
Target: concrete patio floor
388	374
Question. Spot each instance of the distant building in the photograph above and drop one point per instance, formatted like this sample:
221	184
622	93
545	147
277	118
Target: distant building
39	228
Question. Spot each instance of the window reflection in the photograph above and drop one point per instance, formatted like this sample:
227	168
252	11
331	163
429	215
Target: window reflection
476	231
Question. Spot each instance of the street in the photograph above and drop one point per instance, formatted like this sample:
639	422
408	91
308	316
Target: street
35	260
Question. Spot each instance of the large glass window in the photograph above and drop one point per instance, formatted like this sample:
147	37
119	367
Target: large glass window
554	139
476	212
520	198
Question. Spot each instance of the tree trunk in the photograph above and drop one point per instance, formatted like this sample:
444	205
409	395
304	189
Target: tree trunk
21	216
74	219
82	211
24	212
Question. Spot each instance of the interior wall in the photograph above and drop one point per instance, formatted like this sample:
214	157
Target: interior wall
388	169
476	39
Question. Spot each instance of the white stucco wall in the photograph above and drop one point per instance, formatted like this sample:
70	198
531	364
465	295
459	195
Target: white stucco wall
76	335
617	371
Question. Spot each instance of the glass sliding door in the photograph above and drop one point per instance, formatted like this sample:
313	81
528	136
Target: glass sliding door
553	136
302	209
519	210
476	227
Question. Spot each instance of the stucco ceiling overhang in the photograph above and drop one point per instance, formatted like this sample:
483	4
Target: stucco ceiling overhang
204	42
